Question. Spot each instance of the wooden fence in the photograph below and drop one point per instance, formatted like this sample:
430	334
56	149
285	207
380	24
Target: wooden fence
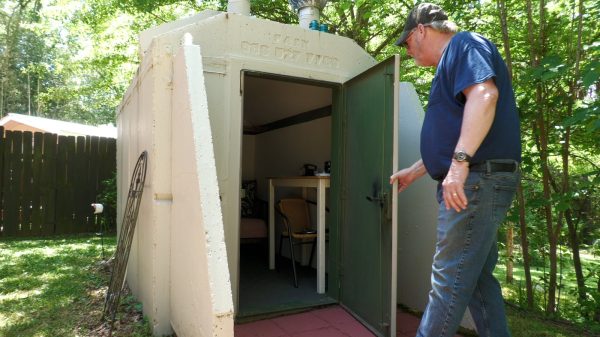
47	182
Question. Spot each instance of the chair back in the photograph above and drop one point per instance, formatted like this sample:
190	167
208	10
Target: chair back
296	215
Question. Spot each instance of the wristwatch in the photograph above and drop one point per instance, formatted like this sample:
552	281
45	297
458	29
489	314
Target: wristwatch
461	156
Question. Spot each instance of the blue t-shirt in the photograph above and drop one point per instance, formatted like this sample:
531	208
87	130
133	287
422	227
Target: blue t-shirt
468	59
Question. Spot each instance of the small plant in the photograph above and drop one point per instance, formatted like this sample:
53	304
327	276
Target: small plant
108	198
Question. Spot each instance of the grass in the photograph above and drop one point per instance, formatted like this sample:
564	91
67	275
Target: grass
525	324
567	305
56	287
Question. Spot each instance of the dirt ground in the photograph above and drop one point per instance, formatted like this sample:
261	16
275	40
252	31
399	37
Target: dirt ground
128	320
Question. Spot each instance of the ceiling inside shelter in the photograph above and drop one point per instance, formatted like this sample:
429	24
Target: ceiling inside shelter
268	100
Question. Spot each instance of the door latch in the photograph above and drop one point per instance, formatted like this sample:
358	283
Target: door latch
381	199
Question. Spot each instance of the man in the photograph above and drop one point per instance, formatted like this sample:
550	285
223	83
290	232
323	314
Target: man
470	144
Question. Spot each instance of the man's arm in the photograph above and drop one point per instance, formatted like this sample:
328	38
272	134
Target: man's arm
478	117
408	175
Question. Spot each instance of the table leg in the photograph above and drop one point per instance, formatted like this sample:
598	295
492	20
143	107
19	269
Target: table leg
321	237
271	225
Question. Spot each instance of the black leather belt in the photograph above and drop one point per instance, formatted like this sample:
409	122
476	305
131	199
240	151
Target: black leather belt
492	166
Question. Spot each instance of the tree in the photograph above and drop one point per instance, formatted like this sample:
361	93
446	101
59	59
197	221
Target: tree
19	50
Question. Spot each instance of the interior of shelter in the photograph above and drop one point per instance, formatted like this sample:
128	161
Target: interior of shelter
287	132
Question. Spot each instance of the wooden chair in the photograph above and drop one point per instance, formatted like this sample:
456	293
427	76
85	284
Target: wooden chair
297	228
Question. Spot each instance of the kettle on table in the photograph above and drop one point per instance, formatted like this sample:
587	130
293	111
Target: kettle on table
309	169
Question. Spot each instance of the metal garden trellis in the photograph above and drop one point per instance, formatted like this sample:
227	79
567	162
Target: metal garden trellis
132	207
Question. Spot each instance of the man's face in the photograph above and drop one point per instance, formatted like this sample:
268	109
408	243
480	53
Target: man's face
415	45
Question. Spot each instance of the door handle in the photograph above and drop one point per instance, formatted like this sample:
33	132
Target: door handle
379	199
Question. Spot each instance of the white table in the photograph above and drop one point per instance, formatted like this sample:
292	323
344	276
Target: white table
320	183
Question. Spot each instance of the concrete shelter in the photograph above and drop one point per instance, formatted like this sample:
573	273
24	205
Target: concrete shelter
203	85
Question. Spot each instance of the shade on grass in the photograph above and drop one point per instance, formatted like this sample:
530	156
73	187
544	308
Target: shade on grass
568	307
44	284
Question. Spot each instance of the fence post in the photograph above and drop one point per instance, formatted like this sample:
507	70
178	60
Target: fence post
37	219
79	181
48	184
95	166
26	185
10	188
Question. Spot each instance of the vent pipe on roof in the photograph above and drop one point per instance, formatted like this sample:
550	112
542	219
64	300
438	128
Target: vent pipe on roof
239	6
308	10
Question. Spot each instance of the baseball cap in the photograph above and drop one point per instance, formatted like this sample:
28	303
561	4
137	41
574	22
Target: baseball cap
424	13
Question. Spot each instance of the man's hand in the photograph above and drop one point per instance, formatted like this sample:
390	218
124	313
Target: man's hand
454	186
406	176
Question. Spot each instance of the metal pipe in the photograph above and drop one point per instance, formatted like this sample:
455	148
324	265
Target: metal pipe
308	10
239	7
308	14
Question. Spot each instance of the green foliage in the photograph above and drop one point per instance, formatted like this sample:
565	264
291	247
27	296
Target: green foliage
108	198
569	307
145	6
74	60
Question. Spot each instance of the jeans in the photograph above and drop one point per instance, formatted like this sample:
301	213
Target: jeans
465	258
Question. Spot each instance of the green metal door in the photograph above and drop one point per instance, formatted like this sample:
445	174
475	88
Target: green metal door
367	235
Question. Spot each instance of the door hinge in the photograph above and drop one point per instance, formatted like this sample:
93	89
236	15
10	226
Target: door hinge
385	326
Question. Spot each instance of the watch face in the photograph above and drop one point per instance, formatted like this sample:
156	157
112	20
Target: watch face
460	156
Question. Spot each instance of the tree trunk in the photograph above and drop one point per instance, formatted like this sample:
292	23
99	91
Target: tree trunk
542	141
597	314
574	242
1	97
37	96
28	93
501	5
574	89
12	25
509	252
525	246
550	230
